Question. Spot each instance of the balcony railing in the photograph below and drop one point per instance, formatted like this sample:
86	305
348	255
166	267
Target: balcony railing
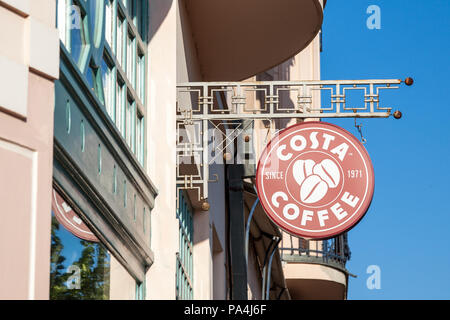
333	252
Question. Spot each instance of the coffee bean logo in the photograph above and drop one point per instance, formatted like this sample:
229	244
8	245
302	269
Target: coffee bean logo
313	189
302	169
329	172
315	179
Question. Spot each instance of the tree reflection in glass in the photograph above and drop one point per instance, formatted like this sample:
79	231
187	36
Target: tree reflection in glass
80	269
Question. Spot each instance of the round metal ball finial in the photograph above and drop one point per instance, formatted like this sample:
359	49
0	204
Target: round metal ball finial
205	206
409	81
397	114
247	138
227	156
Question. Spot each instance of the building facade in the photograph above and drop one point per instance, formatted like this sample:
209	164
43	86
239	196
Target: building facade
104	191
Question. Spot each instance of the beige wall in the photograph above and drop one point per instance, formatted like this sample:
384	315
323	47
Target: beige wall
29	61
122	285
202	256
188	65
161	147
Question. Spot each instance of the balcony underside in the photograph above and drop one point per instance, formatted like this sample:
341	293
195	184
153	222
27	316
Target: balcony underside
237	39
315	282
306	289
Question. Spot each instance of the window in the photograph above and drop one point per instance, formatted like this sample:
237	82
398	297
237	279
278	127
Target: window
120	41
131	59
79	268
120	107
90	76
119	80
184	276
71	22
140	138
140	76
141	19
108	88
131	7
109	22
130	124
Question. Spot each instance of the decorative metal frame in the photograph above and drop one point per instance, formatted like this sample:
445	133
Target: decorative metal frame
201	105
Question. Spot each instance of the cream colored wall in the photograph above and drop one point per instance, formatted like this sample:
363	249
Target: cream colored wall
122	285
29	62
161	101
202	256
188	65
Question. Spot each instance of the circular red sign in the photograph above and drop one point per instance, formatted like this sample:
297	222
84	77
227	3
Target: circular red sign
69	219
315	180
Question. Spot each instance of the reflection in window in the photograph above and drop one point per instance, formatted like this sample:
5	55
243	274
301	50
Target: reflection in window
140	138
79	269
120	41
140	76
77	40
131	58
91	78
140	19
120	107
131	7
108	88
130	129
109	14
70	21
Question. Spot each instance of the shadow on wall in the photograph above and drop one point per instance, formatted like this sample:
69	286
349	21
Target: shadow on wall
160	8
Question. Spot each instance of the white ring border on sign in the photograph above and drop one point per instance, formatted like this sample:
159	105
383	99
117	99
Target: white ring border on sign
354	212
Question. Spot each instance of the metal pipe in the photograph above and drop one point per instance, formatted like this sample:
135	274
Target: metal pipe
189	85
265	267
247	228
281	293
270	269
263	116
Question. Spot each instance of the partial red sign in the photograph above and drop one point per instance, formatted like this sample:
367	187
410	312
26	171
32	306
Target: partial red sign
69	219
315	180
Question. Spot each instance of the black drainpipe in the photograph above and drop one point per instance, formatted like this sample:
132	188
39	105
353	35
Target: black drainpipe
236	217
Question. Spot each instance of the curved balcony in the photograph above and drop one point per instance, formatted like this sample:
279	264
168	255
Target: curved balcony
315	269
237	39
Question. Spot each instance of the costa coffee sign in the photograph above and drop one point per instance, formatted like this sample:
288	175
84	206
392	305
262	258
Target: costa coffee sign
315	180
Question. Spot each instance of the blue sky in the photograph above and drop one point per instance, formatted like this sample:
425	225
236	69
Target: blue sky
406	230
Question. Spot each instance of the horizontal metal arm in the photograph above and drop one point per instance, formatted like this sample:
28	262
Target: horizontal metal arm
283	99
